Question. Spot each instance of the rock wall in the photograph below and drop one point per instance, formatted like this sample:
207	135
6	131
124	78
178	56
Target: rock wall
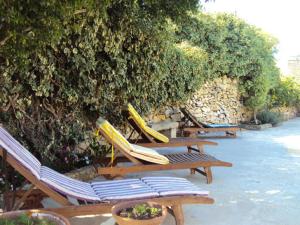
286	112
218	101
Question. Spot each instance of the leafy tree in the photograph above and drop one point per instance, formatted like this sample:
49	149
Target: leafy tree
286	93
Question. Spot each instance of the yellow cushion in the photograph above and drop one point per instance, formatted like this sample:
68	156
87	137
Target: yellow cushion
136	116
115	136
143	125
150	154
139	152
156	134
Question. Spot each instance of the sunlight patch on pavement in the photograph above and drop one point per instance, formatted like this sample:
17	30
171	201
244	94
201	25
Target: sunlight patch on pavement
272	192
291	143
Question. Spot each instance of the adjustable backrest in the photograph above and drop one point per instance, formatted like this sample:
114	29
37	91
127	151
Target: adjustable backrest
56	181
115	138
68	186
192	118
21	154
134	115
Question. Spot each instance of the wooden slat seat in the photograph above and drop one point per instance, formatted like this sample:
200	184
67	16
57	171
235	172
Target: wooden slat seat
192	127
173	161
95	197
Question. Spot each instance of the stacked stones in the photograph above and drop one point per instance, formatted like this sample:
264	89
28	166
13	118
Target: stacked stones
217	101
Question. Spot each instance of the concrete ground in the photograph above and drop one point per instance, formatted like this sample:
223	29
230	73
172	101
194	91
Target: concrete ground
262	188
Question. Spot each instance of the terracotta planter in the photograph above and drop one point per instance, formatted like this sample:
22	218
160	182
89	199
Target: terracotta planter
128	221
51	216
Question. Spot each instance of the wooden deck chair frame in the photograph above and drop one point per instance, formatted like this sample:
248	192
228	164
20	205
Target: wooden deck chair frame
149	141
141	166
197	127
68	209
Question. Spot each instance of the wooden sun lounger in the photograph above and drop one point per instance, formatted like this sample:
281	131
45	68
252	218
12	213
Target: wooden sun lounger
197	127
183	160
147	140
85	205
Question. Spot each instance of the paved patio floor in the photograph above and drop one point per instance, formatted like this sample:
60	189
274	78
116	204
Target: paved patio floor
262	188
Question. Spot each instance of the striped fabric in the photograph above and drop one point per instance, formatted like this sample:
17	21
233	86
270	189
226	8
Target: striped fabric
14	148
67	185
147	187
123	189
173	186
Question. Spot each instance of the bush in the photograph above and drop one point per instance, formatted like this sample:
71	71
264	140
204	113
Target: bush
100	58
286	93
235	49
269	117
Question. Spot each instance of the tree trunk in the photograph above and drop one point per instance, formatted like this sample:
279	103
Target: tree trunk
254	116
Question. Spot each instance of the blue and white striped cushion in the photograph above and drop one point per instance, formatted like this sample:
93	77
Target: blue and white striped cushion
173	186
220	125
123	189
147	187
67	185
14	148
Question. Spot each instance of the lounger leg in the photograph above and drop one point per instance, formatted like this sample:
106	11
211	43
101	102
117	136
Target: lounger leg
208	174
230	134
178	214
190	151
193	171
201	148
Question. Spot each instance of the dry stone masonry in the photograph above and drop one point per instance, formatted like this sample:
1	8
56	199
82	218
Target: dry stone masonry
217	101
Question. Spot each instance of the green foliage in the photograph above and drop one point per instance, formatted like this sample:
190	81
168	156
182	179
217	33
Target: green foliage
286	93
269	117
103	58
141	211
235	49
27	26
85	59
23	219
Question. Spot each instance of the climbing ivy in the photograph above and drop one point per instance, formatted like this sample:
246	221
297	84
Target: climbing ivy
85	59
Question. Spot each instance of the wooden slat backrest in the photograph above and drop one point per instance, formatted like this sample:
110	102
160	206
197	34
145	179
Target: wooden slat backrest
146	137
191	118
120	148
141	131
33	180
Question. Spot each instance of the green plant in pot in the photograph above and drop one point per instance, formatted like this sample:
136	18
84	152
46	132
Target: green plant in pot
136	213
32	217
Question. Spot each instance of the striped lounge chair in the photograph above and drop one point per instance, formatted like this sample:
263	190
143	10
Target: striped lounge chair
199	128
82	198
146	159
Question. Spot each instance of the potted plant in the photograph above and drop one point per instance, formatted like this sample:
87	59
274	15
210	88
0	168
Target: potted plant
32	217
138	212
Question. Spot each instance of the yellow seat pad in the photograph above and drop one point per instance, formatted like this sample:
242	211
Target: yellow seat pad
116	138
143	125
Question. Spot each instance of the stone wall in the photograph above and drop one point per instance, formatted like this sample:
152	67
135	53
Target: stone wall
217	101
287	112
